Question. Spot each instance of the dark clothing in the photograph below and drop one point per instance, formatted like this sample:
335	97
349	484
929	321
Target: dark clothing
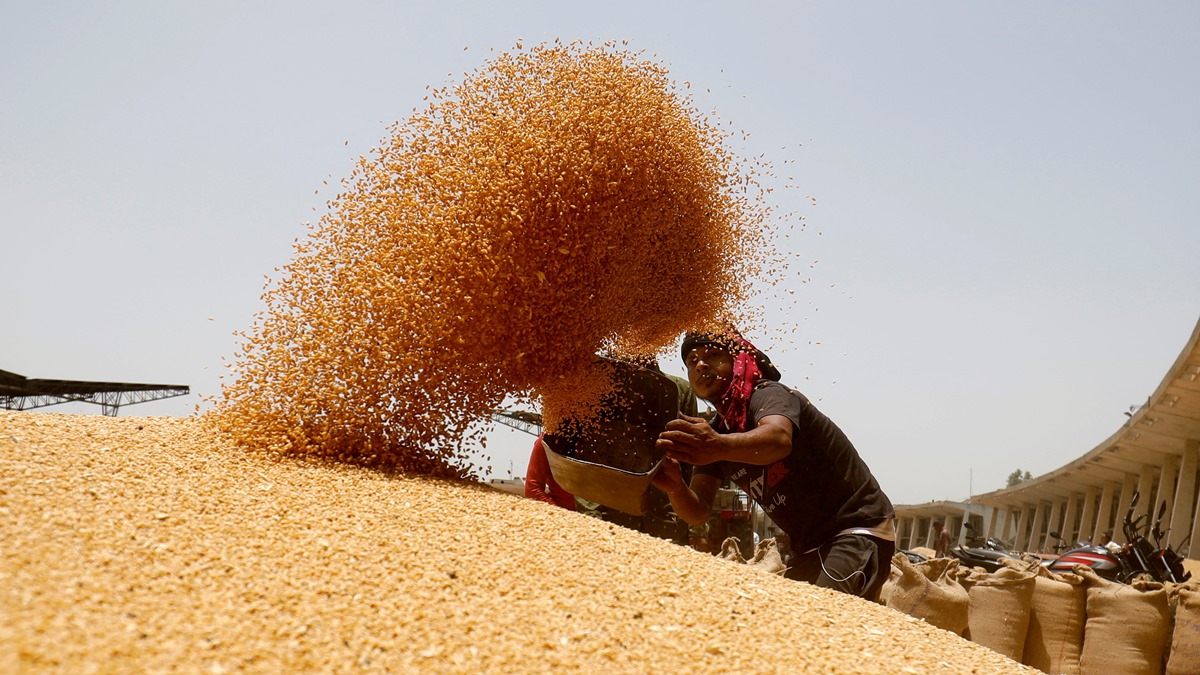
941	544
687	398
853	563
821	488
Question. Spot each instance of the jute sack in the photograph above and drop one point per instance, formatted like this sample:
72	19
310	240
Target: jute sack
1185	637
1057	614
731	551
966	577
999	610
767	558
929	590
893	576
1128	626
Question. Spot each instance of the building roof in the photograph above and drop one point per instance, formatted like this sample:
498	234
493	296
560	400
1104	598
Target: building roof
1158	430
935	509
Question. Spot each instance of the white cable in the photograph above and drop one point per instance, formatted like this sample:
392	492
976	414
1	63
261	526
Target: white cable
840	581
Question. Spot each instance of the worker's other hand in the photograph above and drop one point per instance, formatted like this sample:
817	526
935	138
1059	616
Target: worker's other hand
669	477
690	439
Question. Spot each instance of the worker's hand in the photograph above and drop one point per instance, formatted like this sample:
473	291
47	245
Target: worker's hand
692	440
669	477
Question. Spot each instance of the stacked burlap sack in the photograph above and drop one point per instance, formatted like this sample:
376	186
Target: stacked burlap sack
766	555
928	591
1069	623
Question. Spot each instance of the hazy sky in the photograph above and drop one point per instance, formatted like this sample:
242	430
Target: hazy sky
1004	215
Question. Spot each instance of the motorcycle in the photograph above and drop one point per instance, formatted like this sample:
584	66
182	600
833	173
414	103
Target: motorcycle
985	552
1138	556
1103	561
1161	562
987	543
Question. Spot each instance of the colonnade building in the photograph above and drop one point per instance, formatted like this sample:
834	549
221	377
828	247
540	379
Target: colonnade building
1155	455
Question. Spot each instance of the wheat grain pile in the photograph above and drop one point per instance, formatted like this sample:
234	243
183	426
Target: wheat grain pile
153	545
560	201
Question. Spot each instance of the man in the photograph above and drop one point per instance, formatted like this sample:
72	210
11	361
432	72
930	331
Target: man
941	540
1107	542
789	457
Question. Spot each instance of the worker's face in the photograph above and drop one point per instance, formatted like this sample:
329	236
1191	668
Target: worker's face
710	370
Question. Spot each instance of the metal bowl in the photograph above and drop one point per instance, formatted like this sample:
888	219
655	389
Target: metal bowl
613	461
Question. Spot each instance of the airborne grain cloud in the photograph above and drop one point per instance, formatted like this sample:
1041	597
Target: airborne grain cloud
560	201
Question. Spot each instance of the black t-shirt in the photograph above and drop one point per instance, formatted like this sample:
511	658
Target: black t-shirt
821	487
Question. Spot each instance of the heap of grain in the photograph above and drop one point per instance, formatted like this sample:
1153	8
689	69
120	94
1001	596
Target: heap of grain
560	201
148	545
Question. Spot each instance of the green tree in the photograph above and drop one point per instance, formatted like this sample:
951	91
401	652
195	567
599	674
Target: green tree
1018	477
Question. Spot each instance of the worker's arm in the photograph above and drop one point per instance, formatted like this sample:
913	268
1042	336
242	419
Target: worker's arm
691	502
692	440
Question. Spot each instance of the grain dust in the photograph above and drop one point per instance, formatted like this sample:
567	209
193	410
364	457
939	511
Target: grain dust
561	201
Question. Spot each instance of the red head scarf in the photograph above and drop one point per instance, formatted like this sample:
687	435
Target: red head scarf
749	365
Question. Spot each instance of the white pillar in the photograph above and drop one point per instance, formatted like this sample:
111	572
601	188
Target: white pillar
966	518
1127	489
1185	493
1104	515
1012	523
1087	514
1054	524
1021	539
1145	491
1008	526
1068	529
1166	486
1035	530
1193	548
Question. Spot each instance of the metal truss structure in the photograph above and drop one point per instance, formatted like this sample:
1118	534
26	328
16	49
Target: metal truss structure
18	392
529	422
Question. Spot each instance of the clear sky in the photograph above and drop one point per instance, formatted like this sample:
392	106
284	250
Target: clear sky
1001	243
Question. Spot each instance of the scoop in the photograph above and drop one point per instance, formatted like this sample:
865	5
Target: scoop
613	460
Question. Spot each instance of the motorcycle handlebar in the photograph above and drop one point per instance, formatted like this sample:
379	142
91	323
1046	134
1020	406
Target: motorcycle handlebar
1157	529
